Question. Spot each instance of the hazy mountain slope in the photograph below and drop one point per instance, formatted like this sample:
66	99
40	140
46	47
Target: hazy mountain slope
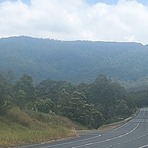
73	60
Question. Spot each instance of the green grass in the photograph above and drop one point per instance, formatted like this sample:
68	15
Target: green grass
18	128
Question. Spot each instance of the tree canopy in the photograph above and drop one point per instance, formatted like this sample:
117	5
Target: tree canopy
92	104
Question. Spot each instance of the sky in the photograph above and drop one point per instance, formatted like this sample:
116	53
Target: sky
95	20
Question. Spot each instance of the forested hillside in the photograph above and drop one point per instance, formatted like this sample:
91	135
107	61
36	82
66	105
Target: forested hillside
75	61
91	105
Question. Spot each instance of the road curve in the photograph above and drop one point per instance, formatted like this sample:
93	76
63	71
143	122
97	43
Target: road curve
133	134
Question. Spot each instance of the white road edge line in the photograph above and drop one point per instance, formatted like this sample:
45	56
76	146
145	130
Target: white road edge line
125	123
109	139
143	146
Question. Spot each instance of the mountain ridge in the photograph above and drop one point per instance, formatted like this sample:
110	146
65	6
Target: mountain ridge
75	61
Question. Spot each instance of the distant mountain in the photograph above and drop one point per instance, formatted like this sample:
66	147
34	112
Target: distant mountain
75	61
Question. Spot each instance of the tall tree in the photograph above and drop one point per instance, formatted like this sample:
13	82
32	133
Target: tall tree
5	90
52	89
106	95
25	90
76	108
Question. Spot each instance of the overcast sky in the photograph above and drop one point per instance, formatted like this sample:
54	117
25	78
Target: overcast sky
97	20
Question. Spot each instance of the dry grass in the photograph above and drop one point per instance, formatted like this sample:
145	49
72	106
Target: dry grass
19	128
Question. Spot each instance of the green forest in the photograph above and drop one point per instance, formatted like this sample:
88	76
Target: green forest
90	104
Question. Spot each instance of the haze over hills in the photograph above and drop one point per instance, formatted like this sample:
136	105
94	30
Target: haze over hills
75	61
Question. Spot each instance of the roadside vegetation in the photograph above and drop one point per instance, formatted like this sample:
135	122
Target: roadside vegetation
18	127
54	109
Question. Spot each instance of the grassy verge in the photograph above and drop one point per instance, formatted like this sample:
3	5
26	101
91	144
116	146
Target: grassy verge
18	128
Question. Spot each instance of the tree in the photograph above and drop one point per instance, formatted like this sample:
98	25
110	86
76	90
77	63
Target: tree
52	89
76	108
122	109
106	96
25	90
20	99
45	106
5	91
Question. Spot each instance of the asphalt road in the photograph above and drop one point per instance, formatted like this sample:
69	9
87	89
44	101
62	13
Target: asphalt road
133	134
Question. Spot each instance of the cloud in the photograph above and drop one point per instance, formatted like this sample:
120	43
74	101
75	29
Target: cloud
126	20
